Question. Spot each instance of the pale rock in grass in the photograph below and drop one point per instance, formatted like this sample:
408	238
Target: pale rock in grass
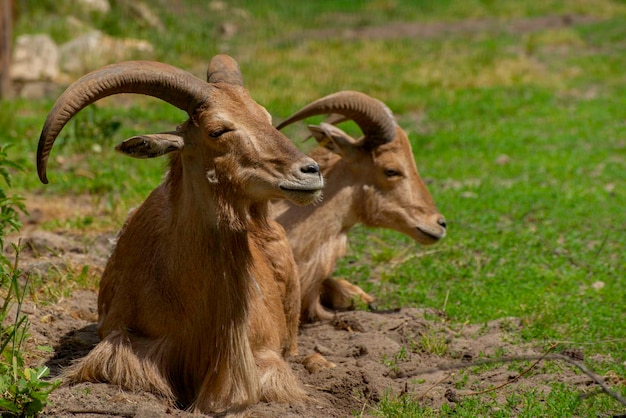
146	15
35	58
217	6
95	49
503	159
38	89
228	29
98	6
598	285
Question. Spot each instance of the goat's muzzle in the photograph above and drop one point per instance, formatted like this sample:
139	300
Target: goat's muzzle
312	168
432	232
305	185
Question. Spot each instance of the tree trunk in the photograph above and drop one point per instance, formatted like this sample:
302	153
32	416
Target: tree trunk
6	39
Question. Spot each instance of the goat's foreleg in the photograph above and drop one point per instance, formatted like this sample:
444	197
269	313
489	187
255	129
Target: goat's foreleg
278	383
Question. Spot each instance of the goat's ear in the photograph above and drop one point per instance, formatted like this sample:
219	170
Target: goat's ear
334	139
152	145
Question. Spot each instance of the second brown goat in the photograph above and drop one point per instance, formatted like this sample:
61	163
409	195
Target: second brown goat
372	180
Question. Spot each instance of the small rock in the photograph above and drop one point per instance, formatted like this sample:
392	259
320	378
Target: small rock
452	396
145	14
99	6
44	242
469	195
217	6
597	285
41	268
323	350
228	29
38	89
503	159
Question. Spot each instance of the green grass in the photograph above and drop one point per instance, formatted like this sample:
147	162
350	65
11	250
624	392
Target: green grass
559	402
522	134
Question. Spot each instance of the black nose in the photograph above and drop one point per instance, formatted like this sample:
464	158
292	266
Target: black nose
442	222
312	168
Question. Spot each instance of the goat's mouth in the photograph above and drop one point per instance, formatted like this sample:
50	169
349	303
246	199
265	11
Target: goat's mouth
428	236
301	194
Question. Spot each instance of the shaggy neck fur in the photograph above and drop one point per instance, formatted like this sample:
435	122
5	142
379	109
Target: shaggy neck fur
217	281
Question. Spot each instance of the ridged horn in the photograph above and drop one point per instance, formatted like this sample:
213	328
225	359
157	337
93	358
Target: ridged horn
224	69
170	84
371	115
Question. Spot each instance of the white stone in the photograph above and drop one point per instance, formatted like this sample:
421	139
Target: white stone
95	49
145	14
100	6
35	58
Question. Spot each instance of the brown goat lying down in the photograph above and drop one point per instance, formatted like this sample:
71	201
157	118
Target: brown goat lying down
199	301
372	180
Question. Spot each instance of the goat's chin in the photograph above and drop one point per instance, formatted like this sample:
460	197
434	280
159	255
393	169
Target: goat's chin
426	236
301	196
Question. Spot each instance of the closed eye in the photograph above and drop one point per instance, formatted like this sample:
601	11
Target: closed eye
219	132
392	172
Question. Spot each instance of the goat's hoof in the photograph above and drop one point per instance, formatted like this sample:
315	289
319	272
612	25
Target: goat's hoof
316	362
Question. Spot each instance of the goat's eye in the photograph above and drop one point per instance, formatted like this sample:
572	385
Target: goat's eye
392	172
219	132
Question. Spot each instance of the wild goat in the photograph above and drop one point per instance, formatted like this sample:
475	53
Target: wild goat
199	301
372	180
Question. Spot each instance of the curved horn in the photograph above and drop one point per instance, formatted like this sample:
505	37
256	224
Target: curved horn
373	117
163	81
224	69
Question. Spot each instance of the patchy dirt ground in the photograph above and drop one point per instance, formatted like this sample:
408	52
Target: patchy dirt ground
402	353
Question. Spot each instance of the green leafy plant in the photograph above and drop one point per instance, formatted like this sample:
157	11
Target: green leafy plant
10	205
23	392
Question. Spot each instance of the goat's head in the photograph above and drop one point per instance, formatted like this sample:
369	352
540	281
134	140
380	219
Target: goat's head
228	138
392	194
